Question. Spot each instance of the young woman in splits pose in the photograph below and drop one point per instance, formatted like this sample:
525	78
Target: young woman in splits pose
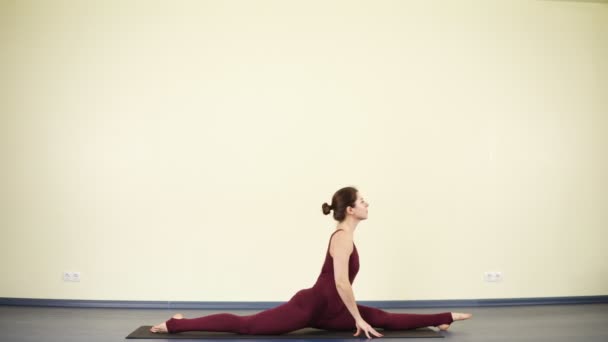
330	303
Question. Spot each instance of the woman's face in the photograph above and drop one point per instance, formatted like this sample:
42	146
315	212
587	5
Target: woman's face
360	209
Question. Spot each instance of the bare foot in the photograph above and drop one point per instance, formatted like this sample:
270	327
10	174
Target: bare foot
162	327
456	316
159	328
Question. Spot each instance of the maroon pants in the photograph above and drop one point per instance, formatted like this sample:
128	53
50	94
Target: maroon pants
301	313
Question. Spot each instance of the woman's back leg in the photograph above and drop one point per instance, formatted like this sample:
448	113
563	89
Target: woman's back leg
287	317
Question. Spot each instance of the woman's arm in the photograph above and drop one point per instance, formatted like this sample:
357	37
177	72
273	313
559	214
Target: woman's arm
342	247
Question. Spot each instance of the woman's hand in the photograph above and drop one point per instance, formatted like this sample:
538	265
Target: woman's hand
362	325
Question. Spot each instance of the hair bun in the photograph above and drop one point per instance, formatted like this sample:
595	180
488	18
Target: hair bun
326	208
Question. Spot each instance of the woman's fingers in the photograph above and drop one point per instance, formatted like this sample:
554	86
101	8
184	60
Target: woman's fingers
376	333
367	329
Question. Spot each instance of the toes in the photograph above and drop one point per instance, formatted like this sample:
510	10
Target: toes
462	316
155	329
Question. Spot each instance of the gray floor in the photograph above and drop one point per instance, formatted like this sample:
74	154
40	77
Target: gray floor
515	323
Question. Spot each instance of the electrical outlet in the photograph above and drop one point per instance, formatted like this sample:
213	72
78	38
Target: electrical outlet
71	276
492	277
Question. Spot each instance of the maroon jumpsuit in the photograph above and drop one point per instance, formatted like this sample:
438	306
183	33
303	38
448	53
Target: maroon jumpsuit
318	307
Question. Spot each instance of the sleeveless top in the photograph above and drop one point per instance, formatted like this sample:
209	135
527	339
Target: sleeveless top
326	279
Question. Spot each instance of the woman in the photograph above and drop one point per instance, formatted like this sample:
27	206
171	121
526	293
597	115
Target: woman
330	303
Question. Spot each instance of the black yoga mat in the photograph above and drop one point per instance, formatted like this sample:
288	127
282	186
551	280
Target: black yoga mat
306	333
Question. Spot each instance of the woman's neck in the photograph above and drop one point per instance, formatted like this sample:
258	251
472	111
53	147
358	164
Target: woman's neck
349	224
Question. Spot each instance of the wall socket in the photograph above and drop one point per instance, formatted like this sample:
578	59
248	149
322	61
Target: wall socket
71	276
492	277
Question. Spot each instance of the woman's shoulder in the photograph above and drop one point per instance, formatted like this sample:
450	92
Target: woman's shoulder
342	239
341	234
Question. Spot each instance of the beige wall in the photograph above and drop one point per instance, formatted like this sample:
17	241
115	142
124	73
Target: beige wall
182	150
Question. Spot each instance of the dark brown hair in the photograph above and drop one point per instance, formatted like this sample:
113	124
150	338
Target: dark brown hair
343	198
